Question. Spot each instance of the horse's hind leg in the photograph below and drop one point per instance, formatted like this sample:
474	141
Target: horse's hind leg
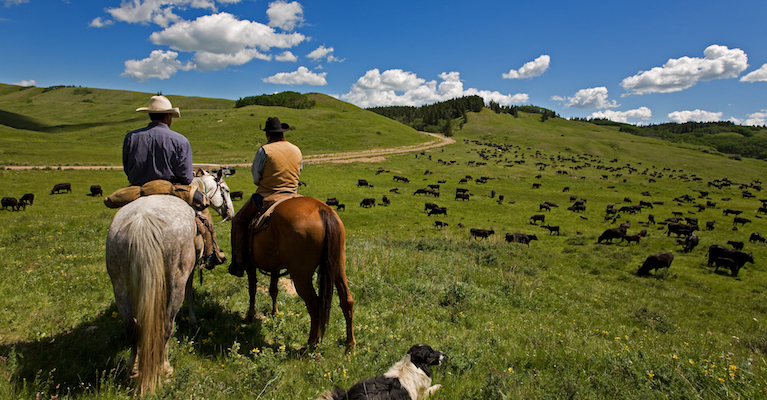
273	289
252	282
347	306
189	300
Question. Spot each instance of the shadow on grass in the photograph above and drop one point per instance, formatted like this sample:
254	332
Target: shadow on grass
19	121
96	351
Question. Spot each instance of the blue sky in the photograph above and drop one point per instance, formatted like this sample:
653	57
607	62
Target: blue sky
638	62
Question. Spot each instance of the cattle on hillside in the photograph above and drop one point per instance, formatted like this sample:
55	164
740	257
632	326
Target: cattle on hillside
236	195
11	203
520	238
363	183
655	262
437	210
368	202
742	221
480	233
96	190
27	198
62	187
612	233
756	237
739	258
537	217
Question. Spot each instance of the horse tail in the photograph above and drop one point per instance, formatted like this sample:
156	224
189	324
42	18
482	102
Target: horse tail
149	293
331	263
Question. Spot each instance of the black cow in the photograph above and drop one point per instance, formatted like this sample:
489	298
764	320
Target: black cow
12	203
710	225
728	211
340	207
740	258
537	217
440	224
654	262
690	242
742	221
368	202
480	233
401	179
332	201
236	195
735	244
612	233
520	238
756	237
385	201
96	190
363	182
680	229
552	229
437	210
429	206
59	187
27	198
462	196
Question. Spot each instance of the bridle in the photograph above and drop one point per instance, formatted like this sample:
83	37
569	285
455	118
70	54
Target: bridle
218	189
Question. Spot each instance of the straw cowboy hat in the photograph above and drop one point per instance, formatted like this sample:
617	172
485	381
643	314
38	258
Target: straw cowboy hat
273	125
160	105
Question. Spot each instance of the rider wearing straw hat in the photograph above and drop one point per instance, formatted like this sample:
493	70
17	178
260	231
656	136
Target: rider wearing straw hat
276	169
159	160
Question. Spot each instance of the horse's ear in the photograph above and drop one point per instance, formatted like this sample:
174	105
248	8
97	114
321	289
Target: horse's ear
199	172
220	173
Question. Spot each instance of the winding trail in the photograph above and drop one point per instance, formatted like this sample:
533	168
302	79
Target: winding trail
374	155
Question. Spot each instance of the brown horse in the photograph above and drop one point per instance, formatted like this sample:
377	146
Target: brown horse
304	232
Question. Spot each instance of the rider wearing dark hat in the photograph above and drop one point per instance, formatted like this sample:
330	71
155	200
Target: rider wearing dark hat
276	169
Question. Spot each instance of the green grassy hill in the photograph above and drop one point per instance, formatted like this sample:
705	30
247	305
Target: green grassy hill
83	126
564	317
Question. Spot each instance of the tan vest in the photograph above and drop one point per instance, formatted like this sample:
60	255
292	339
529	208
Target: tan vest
281	170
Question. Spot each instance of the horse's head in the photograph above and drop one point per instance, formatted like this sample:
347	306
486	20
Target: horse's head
217	192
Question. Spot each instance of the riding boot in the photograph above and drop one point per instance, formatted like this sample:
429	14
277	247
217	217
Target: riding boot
212	253
241	257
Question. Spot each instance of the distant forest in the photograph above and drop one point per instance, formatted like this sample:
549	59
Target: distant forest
725	136
440	117
284	99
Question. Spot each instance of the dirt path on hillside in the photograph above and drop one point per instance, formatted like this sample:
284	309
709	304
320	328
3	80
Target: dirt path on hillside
374	155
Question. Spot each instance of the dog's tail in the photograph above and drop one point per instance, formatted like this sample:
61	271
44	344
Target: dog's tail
336	394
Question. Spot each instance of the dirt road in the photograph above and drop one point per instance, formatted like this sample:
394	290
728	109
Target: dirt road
374	155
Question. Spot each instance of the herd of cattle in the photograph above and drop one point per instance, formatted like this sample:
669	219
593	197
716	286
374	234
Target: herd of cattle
730	257
14	204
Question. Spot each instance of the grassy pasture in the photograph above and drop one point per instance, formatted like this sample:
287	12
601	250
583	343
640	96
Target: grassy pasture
562	318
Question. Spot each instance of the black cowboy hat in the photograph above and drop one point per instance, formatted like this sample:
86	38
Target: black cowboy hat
273	125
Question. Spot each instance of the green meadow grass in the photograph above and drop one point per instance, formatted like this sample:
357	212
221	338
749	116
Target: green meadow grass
562	318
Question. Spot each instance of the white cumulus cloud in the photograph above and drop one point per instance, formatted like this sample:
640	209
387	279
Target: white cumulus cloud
25	82
755	119
643	113
760	75
694	115
160	64
287	56
9	3
284	15
323	52
719	62
302	76
404	88
530	69
591	98
99	23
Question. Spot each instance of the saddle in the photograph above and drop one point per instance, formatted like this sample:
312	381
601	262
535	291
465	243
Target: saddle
123	196
261	220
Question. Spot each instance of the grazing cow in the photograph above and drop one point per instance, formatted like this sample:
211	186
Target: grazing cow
340	207
27	198
756	237
363	182
462	196
728	211
612	233
440	224
734	262
385	201
426	191
710	225
480	233
368	202
520	238
433	187
395	190
437	210
10	202
96	190
544	206
461	190
690	242
332	201
643	203
577	207
236	195
651	219
429	206
537	217
742	221
566	189
740	258
735	244
680	229
632	238
552	229
60	187
536	185
300	182
654	262
401	179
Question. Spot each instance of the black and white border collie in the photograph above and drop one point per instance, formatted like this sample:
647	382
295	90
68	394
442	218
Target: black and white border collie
409	379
